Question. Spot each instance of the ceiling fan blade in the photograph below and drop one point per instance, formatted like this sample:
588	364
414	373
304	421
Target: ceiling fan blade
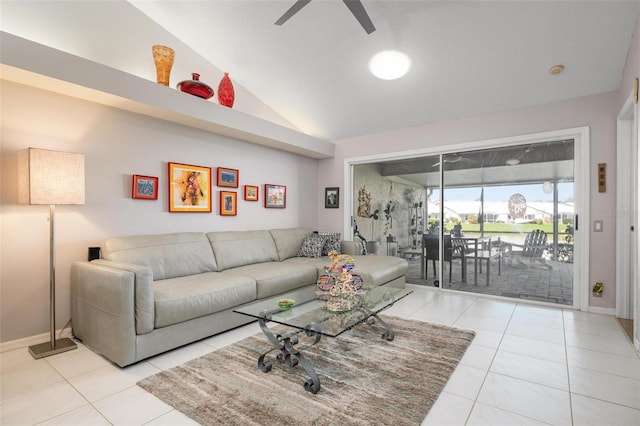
356	7
292	11
452	158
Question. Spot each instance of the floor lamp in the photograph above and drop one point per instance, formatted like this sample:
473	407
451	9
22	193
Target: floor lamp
53	178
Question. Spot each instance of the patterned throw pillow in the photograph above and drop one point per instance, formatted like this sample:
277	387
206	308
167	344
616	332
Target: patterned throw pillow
311	246
332	241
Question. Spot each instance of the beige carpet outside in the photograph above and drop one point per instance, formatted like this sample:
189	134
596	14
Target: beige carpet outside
365	380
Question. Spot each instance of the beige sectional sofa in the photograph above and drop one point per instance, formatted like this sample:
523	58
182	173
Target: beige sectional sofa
152	293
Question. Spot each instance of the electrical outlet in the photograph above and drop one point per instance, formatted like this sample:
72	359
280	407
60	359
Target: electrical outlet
597	226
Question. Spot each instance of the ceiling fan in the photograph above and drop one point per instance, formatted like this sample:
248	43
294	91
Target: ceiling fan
355	6
454	158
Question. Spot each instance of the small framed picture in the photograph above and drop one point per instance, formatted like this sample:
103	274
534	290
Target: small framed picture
228	203
228	177
331	198
144	187
250	193
275	196
189	188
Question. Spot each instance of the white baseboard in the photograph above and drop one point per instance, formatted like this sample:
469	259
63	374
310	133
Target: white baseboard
25	342
603	311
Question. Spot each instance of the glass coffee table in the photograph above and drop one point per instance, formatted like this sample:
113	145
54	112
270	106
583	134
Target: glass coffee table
317	318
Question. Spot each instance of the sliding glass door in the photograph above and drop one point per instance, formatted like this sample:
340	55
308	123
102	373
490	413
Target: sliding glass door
496	218
508	216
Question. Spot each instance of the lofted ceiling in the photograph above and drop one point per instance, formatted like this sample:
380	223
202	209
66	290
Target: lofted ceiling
468	57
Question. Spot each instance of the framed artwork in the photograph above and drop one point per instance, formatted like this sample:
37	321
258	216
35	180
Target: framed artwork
144	187
228	203
250	193
189	188
275	196
228	177
331	198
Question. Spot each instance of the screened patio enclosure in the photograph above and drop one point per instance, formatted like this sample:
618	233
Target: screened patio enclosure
496	221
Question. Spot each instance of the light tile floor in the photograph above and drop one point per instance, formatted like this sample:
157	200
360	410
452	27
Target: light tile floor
529	365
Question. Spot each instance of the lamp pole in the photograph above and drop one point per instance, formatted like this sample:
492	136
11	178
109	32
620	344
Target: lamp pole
53	346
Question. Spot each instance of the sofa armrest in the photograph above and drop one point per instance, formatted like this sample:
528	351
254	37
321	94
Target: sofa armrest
103	311
105	285
352	248
144	297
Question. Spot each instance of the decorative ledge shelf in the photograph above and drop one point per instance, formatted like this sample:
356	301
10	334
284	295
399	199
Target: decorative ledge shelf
33	64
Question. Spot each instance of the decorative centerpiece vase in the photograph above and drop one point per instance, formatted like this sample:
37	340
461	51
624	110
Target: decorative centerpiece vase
195	87
163	57
340	289
226	94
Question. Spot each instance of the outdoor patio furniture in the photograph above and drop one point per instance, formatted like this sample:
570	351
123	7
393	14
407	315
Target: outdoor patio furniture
431	250
532	251
505	249
483	253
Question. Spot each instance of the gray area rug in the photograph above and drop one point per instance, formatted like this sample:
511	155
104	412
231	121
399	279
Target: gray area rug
365	380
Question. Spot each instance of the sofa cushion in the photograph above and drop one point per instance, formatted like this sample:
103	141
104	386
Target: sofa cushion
167	255
312	246
332	242
184	298
380	269
276	277
239	248
288	241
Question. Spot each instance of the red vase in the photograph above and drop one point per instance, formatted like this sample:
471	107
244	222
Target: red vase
195	87
226	95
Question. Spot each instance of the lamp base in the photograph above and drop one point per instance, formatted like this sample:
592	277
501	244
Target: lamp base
46	349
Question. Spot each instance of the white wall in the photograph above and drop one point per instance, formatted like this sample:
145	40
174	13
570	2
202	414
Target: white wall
598	112
116	145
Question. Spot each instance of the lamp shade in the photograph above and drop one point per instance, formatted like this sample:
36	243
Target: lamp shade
50	177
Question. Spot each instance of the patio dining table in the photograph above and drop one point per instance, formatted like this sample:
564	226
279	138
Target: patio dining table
479	249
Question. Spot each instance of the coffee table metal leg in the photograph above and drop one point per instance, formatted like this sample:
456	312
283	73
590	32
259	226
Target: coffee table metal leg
388	331
289	355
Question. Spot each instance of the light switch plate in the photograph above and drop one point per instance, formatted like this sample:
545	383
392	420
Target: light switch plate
597	226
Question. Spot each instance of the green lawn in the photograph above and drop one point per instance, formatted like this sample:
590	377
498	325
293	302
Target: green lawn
508	228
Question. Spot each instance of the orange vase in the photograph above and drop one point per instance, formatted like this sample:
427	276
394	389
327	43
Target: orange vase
163	57
226	94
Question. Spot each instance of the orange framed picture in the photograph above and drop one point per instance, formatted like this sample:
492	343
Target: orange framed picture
250	193
227	177
275	196
144	187
228	203
189	188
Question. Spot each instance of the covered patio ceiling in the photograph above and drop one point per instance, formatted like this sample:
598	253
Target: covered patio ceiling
523	164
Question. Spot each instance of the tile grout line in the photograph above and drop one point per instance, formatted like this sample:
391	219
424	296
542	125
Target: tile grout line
79	393
475	401
566	356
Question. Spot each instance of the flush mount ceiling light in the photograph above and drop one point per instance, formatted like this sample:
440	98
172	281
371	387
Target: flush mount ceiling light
516	160
389	64
556	69
512	162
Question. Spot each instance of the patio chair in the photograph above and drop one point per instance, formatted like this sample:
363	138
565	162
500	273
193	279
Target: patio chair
532	251
430	247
